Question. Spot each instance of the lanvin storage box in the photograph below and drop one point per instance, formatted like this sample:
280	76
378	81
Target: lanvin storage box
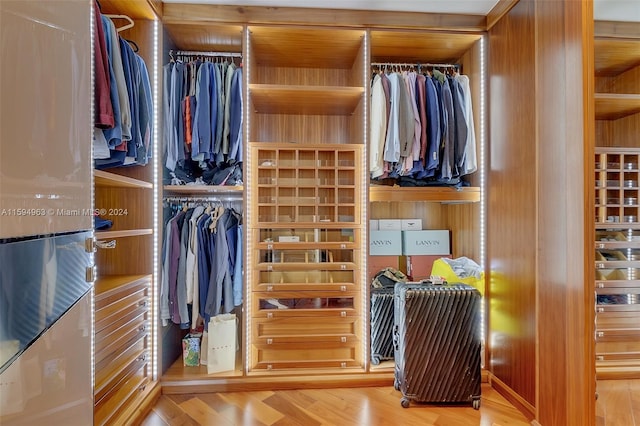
385	243
433	242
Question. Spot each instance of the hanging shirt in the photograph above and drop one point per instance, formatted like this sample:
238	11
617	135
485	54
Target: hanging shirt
470	164
392	141
377	128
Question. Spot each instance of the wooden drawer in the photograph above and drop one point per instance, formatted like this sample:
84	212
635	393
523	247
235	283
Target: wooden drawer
121	312
297	329
119	369
125	394
282	304
111	289
120	340
308	354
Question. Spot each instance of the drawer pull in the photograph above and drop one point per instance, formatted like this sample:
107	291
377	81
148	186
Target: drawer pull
343	267
269	288
141	358
142	328
269	367
601	246
143	303
269	315
142	388
600	358
343	314
269	246
343	364
269	341
343	288
600	333
343	339
600	309
600	285
343	246
269	267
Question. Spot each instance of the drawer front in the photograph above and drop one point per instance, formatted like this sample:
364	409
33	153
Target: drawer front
297	329
125	394
304	355
305	304
121	339
124	305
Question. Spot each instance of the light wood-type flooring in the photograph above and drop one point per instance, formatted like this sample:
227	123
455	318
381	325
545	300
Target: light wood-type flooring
618	404
370	406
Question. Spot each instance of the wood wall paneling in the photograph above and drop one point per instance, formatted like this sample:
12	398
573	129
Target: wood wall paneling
512	220
565	380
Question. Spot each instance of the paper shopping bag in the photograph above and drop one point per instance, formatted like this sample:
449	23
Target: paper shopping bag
221	353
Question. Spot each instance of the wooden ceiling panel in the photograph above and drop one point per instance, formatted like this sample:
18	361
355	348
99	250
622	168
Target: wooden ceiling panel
305	47
615	56
135	9
393	46
206	37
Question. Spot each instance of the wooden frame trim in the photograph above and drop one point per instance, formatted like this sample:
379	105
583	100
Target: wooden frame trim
510	395
204	14
499	10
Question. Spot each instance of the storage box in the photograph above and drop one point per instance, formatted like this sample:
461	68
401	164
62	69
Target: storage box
433	242
419	266
376	264
385	243
390	224
411	224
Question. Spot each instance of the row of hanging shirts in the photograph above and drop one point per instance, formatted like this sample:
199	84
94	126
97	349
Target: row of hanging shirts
123	105
203	112
202	261
421	123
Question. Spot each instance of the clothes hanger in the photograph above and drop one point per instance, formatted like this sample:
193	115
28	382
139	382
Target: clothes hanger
126	18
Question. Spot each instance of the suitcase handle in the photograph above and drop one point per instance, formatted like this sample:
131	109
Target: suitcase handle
395	338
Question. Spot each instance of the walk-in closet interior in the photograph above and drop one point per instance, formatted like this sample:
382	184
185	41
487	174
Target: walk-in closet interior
258	162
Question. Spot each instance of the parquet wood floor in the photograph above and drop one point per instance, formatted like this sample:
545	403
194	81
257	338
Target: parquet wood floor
370	406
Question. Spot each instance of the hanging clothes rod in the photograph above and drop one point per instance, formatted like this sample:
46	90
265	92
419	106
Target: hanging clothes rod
198	199
194	53
414	64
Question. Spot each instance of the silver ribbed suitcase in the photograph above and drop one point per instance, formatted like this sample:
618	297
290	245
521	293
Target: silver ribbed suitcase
381	324
437	343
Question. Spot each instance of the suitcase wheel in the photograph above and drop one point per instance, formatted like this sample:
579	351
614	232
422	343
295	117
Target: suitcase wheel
375	360
405	402
476	404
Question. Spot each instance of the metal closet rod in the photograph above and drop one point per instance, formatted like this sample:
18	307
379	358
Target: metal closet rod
194	53
413	64
206	199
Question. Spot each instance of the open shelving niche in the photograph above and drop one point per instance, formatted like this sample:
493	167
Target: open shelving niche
617	173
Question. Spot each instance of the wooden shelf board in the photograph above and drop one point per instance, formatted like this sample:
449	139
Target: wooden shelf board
305	100
103	178
612	106
202	189
432	193
124	233
135	9
617	225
